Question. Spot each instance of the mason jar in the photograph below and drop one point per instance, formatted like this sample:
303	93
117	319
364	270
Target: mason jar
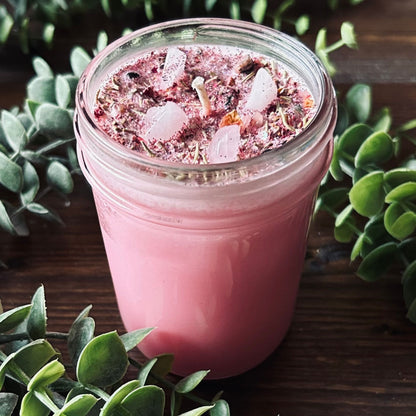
209	255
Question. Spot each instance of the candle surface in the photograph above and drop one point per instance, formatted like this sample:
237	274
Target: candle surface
203	104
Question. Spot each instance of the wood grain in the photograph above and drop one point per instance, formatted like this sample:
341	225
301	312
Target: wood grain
350	350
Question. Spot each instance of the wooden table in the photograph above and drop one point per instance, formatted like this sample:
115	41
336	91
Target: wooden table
350	350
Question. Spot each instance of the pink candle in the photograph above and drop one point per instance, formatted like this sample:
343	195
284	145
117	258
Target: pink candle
207	247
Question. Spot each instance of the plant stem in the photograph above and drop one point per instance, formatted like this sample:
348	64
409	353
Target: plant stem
21	336
56	335
336	45
99	392
169	385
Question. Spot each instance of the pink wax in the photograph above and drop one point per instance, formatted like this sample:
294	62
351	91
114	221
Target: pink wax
208	254
220	299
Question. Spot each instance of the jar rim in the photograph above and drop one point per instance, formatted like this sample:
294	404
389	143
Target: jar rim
321	123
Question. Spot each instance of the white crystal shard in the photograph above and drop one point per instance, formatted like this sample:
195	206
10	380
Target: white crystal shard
225	145
174	67
164	121
263	91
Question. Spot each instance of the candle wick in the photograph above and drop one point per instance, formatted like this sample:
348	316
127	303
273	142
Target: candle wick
199	86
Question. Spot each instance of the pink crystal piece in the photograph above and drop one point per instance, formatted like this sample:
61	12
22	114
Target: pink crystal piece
164	121
174	67
263	91
225	145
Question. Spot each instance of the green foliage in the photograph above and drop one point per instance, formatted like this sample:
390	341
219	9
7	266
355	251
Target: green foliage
37	152
34	20
370	184
99	388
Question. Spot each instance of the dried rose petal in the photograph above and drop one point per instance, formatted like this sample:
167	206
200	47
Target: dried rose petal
225	145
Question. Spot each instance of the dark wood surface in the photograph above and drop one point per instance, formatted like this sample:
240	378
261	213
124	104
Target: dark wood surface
350	350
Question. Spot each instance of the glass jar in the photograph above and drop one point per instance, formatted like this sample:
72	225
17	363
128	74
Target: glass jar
209	255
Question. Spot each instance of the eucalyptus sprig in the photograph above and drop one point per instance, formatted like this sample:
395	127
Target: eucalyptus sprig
371	192
37	152
32	372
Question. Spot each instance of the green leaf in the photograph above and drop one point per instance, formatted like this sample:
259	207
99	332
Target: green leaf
409	284
344	233
358	101
404	192
8	402
399	222
367	195
352	138
48	33
41	90
188	383
235	12
72	159
145	370
408	249
112	406
54	122
376	149
102	40
132	339
358	246
335	167
396	177
163	365
12	318
258	10
36	324
302	26
197	412
148	9
79	59
62	91
14	131
333	198
31	107
33	356
209	5
343	120
105	4
47	375
31	183
377	262
42	68
320	42
78	406
146	401
32	406
220	408
11	174
38	209
383	121
59	177
348	35
344	215
6	24
5	221
409	125
80	334
103	361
